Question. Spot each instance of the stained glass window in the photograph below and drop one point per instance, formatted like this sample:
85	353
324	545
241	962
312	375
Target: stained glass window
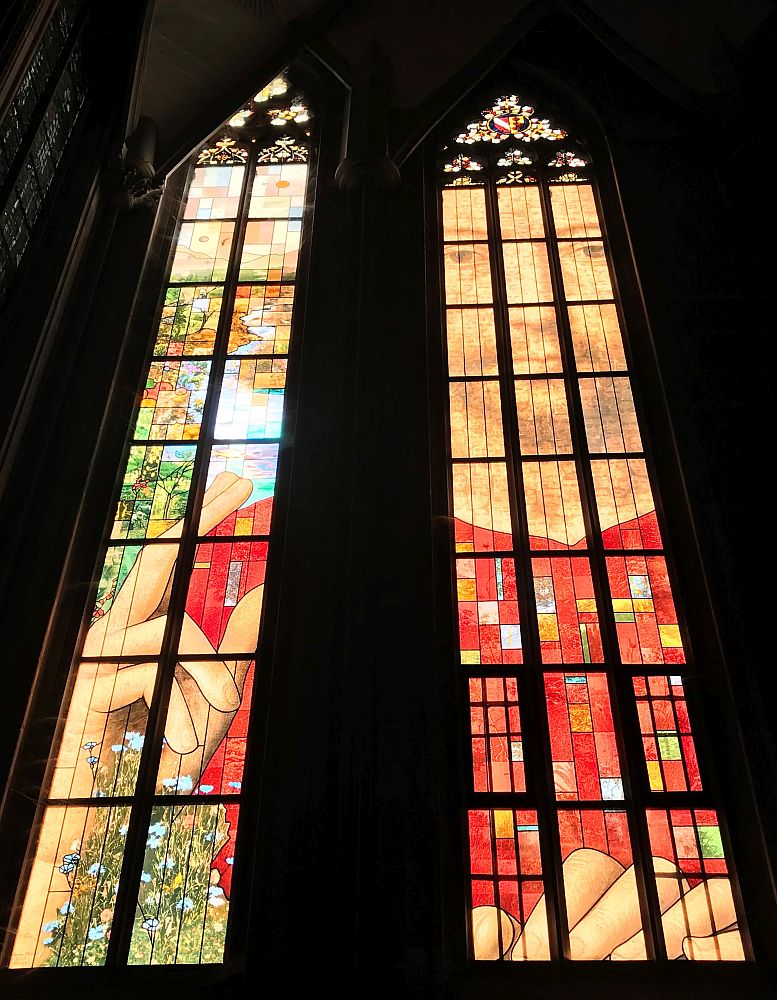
137	832
592	834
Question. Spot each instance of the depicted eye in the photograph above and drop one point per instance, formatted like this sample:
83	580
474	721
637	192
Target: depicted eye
595	251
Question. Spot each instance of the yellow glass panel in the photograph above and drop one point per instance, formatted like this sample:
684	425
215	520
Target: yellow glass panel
504	822
471	342
670	636
584	269
553	507
548	627
527	274
597	338
543	421
610	418
574	210
534	339
654	776
646	604
480	500
467	274
466	589
476	420
520	213
464	214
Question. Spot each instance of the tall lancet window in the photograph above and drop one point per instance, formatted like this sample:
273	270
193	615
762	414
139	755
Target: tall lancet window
137	835
592	833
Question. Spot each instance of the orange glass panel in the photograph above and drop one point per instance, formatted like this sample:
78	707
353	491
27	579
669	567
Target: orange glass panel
481	506
567	613
610	419
520	213
467	274
582	737
670	753
698	916
487	597
645	616
597	338
495	724
584	269
527	274
574	210
534	339
476	420
509	920
261	321
270	250
104	731
543	422
600	887
471	342
464	214
553	507
202	251
625	504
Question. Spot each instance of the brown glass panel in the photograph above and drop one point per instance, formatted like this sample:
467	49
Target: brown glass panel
476	420
527	274
464	214
467	274
471	342
543	421
597	338
534	339
520	213
574	210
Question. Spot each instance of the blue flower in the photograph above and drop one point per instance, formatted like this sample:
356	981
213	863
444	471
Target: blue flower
182	784
123	830
96	869
168	863
52	925
89	746
230	861
157	830
235	784
215	895
208	836
72	858
145	877
205	789
150	924
184	904
92	761
153	842
134	740
118	748
67	869
96	933
48	940
67	908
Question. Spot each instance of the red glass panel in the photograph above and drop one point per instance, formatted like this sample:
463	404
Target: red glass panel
645	616
497	745
567	614
488	611
670	753
507	886
582	737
